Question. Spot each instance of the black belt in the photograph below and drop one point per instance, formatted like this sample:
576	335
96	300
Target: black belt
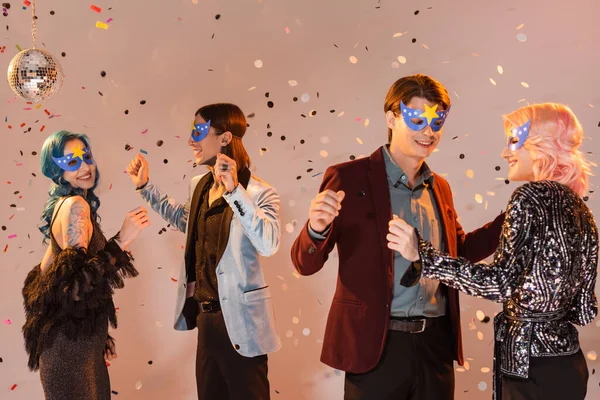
209	306
412	325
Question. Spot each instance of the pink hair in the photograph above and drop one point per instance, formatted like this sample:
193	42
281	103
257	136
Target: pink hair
554	139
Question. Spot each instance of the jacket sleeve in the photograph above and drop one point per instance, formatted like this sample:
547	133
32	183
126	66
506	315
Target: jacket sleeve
584	307
310	253
74	291
259	219
495	281
170	210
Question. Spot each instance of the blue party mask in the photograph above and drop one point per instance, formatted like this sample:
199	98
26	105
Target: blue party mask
430	116
518	136
72	162
200	131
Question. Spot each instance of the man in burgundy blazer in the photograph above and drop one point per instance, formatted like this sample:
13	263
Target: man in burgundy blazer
410	355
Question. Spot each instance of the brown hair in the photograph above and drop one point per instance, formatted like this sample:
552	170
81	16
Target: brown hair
419	85
225	117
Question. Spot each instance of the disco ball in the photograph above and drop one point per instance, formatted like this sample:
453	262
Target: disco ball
35	75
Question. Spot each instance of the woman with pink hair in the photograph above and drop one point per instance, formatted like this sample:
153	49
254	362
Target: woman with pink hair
544	271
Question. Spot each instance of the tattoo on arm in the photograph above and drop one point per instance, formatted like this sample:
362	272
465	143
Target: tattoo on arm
78	228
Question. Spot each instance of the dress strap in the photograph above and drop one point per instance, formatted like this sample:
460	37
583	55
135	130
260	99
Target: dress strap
52	238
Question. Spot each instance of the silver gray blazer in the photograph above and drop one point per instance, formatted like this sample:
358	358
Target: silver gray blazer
250	229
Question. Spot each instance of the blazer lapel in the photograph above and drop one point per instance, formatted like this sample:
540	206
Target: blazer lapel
243	179
383	204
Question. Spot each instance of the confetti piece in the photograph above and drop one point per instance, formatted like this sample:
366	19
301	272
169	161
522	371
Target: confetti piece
480	315
482	386
27	3
12	236
19	47
108	21
359	141
143	151
591	355
95	8
402	59
525	84
480	335
493	82
144	132
23	124
100	24
287	30
8	322
485	370
13	387
258	63
306	331
521	37
353	60
323	153
500	69
478	198
470	173
293	83
520	26
174	280
398	34
5	248
138	385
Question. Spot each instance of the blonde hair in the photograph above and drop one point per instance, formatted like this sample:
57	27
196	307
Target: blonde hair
554	139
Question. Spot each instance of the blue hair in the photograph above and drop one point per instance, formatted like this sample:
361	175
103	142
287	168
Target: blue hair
54	146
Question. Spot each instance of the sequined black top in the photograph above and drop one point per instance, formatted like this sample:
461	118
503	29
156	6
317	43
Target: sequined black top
544	273
207	245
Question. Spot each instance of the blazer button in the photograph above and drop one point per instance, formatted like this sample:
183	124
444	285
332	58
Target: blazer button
242	213
311	249
236	346
237	203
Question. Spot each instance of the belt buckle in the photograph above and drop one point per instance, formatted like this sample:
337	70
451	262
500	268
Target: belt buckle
424	321
205	306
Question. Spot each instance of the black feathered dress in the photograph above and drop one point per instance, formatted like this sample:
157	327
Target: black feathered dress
68	308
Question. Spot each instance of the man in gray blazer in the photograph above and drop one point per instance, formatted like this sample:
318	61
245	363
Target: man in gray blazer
231	218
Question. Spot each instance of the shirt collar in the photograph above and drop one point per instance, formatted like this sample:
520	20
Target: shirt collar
396	174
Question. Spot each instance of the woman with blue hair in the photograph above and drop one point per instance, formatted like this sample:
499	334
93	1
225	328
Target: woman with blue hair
68	297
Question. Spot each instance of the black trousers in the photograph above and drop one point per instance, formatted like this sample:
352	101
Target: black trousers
221	372
412	366
550	378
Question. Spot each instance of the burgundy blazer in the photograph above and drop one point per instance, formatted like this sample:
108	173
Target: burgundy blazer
358	320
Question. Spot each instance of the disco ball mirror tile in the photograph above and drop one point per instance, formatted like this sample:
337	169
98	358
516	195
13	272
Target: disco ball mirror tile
35	75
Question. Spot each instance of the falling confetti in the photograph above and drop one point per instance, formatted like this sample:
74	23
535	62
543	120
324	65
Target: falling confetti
525	84
102	25
353	60
521	37
482	386
402	59
258	64
500	69
493	82
478	198
592	356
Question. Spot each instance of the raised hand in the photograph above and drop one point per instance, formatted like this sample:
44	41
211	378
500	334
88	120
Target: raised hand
324	208
138	170
135	222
